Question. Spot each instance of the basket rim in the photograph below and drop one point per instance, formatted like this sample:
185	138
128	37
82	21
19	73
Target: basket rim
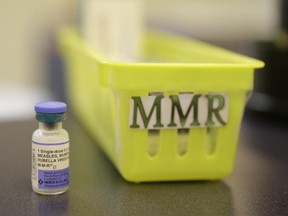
69	34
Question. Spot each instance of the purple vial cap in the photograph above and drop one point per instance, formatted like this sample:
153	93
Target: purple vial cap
50	107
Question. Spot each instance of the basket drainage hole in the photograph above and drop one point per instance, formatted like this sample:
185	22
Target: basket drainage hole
183	140
211	143
153	142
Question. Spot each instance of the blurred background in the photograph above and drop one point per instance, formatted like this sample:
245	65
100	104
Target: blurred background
30	69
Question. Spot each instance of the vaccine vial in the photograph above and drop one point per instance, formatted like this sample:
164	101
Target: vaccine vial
50	150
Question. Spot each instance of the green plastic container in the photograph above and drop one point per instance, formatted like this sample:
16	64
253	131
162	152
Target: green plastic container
174	117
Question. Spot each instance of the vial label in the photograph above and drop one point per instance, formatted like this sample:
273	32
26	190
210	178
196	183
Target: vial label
50	164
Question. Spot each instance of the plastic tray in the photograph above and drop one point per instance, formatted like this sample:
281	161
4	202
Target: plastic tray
139	111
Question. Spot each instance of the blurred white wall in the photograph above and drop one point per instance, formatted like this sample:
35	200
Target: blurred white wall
26	29
218	19
24	39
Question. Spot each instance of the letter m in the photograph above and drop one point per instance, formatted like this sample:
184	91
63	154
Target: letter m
138	107
176	107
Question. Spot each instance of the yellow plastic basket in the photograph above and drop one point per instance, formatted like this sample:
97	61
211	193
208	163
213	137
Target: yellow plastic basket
139	112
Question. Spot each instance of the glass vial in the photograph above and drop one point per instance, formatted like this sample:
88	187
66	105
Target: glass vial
50	150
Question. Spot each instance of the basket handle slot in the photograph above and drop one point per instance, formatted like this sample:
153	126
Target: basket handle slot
211	140
183	141
153	142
